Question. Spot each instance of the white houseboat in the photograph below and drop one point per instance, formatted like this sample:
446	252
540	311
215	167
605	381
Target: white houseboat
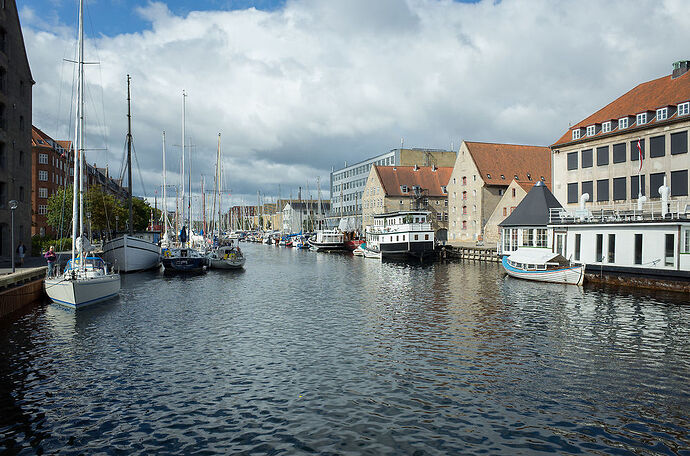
401	235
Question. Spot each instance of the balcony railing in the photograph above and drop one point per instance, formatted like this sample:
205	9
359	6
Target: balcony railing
623	212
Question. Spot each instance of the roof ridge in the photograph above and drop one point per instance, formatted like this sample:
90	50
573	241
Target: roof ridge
504	144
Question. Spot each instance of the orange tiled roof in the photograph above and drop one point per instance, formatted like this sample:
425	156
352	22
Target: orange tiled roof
393	177
648	96
509	160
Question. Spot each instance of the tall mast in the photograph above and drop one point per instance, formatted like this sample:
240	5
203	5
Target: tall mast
129	159
219	189
80	122
184	95
165	200
76	145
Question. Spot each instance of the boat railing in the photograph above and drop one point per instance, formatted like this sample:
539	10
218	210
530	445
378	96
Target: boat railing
623	212
403	227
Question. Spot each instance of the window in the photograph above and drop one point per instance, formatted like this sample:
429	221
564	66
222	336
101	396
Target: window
657	146
619	153
464	180
622	123
603	190
670	254
445	216
588	187
464	195
43	159
43	176
505	211
464	209
403	188
684	108
503	176
679	183
636	149
572	192
586	158
572	161
656	180
686	248
591	130
602	156
578	244
541	237
619	188
416	237
662	114
42	209
576	133
43	192
527	237
600	244
606	127
439	217
513	193
635	183
501	192
444	190
464	224
641	118
612	249
679	143
426	237
638	248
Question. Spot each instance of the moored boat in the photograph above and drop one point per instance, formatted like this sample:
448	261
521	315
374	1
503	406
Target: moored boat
543	266
328	240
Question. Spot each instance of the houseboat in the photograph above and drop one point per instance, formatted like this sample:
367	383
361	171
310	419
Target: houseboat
401	235
328	240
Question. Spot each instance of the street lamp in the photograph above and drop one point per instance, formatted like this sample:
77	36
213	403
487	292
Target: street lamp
13	205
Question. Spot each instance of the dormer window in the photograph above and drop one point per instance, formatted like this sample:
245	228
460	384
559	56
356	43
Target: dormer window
516	177
488	176
684	108
503	177
444	190
576	133
542	179
591	130
623	123
641	118
529	177
403	188
662	114
606	127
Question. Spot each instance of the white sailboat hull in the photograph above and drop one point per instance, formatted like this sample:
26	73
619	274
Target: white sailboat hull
236	263
82	292
130	253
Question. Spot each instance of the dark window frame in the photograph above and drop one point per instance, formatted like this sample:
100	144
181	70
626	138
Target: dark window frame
587	158
679	143
619	153
620	188
572	160
603	190
657	146
679	182
603	156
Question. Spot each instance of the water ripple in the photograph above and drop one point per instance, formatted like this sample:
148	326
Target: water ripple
307	353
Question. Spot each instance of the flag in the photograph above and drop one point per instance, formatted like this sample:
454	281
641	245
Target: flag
639	151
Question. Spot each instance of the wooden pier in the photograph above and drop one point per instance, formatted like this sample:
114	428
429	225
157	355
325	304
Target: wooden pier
486	254
21	288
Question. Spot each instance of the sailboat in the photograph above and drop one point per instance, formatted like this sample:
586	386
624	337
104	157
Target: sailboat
226	254
131	252
86	279
184	258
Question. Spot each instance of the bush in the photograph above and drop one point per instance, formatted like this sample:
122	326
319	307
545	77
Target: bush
41	244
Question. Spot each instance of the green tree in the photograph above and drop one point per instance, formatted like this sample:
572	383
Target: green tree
103	207
60	211
141	212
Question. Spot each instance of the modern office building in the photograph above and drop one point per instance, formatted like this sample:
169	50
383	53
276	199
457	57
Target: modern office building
347	183
15	131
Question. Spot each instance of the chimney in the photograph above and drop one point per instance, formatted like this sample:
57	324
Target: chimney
680	68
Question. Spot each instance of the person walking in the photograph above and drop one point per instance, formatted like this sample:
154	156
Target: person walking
50	258
21	251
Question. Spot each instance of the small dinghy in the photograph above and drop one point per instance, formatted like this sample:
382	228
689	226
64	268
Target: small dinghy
543	266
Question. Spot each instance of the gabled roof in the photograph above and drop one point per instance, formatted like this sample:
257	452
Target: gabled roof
648	96
426	177
533	210
493	160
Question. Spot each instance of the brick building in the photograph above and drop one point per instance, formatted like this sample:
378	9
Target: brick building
16	84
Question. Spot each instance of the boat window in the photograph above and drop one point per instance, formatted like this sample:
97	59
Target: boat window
527	237
541	267
426	237
403	237
670	251
532	266
600	241
578	244
541	237
416	237
612	249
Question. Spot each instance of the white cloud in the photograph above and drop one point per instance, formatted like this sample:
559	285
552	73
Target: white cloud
298	90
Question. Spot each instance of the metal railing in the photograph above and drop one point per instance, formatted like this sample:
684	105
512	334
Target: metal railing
623	212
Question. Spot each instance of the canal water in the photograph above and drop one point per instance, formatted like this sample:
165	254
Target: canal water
333	354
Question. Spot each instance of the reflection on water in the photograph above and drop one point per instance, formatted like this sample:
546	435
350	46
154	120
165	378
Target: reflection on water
329	353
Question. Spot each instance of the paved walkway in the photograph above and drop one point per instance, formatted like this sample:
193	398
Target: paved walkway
29	263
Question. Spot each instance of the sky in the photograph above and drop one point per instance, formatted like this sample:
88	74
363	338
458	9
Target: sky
298	87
